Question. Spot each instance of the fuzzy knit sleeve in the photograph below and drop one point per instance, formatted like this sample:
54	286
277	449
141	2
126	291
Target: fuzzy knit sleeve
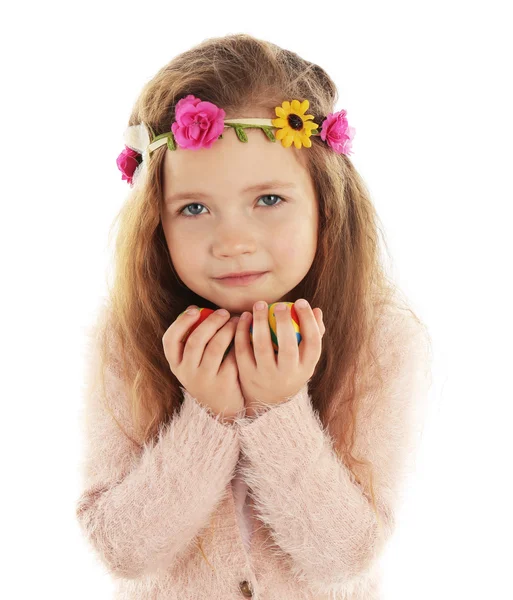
142	504
318	513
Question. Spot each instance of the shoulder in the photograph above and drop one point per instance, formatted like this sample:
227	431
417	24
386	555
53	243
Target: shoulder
398	332
400	357
101	343
102	365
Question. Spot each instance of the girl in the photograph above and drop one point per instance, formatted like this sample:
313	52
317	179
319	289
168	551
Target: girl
222	475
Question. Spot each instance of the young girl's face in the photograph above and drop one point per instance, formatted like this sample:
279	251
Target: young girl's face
228	228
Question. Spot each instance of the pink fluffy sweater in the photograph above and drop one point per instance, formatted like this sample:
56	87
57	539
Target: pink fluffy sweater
289	520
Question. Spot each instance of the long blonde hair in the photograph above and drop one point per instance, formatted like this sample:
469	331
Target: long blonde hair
347	280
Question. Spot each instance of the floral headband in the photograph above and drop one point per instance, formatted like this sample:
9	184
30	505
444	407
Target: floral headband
198	124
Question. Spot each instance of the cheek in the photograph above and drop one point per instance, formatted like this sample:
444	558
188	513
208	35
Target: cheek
286	242
185	261
294	241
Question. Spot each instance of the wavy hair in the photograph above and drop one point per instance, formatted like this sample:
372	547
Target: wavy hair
241	73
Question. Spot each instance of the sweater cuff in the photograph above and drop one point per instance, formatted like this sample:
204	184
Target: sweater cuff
291	429
206	414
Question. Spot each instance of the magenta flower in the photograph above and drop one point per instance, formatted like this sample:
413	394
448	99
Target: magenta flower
127	162
337	132
197	124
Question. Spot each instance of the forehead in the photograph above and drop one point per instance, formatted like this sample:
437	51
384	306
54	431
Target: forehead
234	164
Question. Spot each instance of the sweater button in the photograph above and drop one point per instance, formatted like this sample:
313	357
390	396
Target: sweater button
245	588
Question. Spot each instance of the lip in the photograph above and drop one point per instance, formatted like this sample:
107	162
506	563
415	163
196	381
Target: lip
244	280
239	274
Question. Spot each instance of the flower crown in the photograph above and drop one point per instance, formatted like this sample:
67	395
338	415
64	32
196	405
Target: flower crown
198	124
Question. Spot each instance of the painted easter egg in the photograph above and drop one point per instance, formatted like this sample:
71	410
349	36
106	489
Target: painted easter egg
273	328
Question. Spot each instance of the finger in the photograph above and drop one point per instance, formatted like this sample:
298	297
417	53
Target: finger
243	351
173	338
202	335
288	352
262	345
216	348
189	308
229	361
310	347
320	322
192	310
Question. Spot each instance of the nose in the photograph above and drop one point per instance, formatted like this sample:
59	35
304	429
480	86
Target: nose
234	237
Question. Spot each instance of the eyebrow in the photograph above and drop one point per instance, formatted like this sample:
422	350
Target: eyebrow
258	187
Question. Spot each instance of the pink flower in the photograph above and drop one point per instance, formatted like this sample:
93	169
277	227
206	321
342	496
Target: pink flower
337	132
127	162
197	124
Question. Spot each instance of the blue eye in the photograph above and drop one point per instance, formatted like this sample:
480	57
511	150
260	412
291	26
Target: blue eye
182	214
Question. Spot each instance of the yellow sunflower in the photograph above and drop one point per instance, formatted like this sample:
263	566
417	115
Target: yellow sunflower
294	125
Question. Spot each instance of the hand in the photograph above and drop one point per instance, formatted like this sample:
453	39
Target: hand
198	363
270	378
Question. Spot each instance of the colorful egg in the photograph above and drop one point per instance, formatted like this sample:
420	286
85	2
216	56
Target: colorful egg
273	328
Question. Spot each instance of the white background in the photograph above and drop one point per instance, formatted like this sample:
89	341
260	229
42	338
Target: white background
427	87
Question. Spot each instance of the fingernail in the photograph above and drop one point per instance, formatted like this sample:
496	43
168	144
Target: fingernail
280	307
302	303
192	311
260	305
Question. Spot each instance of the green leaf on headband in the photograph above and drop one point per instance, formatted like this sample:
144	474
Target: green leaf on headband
314	132
171	142
241	134
269	133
